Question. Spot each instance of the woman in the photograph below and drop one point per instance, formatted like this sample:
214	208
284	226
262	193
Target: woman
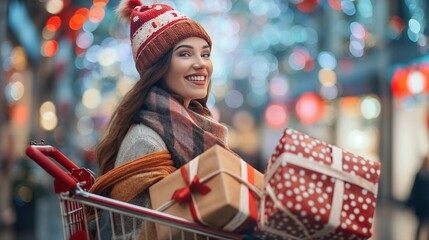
163	121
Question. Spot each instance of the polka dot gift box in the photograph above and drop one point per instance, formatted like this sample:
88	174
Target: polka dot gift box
314	190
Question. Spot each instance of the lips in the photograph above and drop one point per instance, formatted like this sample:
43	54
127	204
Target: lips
197	79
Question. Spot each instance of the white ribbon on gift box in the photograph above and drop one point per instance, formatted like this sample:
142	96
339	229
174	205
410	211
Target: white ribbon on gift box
243	212
335	171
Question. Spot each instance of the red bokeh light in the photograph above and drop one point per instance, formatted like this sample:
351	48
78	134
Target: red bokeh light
50	48
100	3
78	19
20	114
53	23
96	14
335	4
307	6
309	108
399	83
276	116
397	24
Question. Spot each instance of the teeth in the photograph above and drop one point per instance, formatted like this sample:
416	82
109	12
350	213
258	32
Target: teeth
196	78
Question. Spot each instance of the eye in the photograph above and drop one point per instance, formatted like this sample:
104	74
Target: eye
206	55
185	54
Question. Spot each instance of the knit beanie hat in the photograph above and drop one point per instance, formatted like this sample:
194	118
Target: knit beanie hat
155	29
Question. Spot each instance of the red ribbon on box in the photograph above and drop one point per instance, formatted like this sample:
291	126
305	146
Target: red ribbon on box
184	195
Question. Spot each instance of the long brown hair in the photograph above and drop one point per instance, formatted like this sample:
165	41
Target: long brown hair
123	117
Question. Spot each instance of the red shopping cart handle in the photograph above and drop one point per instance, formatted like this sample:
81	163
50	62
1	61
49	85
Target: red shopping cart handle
40	154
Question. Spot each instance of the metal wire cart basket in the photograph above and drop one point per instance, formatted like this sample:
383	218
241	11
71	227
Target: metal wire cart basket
71	184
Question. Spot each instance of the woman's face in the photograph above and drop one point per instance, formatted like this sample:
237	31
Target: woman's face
190	69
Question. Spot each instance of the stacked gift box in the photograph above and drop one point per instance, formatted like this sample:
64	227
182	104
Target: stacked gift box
310	190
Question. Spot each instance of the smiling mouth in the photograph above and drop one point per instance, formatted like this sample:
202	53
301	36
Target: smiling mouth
196	78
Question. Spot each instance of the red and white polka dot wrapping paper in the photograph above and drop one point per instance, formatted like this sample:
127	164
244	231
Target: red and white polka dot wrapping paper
314	190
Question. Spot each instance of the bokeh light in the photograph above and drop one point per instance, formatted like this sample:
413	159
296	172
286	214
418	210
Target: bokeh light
91	98
276	115
49	48
370	107
327	60
327	77
234	99
53	23
78	19
14	91
20	114
416	82
307	6
278	88
96	14
54	6
48	117
309	108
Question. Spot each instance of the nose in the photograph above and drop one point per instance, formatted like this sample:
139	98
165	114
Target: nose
199	63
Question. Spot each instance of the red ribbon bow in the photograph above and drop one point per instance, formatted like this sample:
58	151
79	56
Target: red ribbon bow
184	195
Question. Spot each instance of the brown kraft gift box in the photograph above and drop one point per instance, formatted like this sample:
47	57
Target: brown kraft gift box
217	169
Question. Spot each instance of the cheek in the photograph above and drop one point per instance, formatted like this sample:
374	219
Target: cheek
210	68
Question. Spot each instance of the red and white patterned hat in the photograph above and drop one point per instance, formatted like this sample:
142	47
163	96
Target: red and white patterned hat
155	29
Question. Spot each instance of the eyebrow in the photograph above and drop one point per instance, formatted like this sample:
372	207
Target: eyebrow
189	46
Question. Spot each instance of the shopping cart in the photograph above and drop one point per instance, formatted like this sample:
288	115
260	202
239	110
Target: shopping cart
71	184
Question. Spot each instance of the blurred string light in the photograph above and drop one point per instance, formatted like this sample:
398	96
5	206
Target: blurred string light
370	107
310	108
15	89
54	6
417	22
416	82
350	106
327	77
91	98
327	60
19	59
84	40
285	32
49	48
78	19
335	4
348	7
301	60
365	8
264	8
329	92
48	116
357	139
276	115
410	81
396	26
234	99
307	6
278	88
328	81
96	13
357	39
53	23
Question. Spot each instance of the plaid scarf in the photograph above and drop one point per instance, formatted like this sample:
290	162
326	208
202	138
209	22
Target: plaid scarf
186	132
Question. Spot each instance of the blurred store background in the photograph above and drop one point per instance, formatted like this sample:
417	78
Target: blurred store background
354	73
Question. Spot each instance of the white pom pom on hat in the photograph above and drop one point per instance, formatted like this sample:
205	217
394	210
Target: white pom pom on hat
125	8
155	29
